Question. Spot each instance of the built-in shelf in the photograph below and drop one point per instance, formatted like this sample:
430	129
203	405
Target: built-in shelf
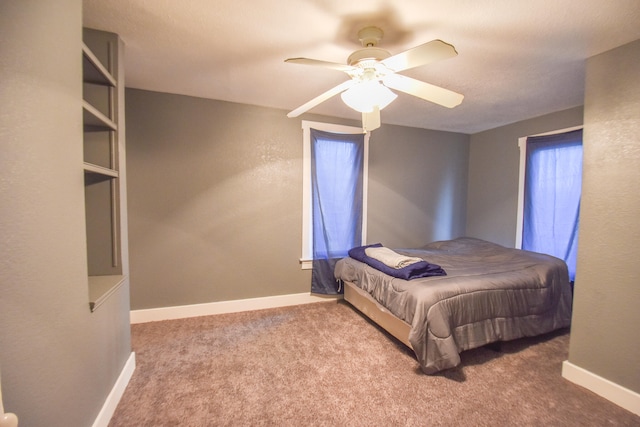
103	117
101	287
95	120
100	170
93	70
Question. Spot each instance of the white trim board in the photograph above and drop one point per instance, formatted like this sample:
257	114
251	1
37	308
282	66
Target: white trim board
222	307
623	397
109	406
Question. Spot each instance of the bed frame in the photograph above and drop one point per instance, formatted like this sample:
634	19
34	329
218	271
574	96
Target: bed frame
364	303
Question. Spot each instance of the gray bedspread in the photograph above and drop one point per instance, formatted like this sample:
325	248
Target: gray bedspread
490	293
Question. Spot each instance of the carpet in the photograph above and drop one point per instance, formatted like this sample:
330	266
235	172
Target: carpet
326	364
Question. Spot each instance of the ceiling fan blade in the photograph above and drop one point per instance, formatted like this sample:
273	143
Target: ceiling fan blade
319	63
371	121
426	91
432	51
321	98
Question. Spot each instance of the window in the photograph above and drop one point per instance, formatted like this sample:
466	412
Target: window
336	182
550	188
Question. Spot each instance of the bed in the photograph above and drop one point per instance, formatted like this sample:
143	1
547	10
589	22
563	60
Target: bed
487	293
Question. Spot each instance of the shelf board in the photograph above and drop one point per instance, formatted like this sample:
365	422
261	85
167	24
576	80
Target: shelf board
102	287
95	120
93	70
100	170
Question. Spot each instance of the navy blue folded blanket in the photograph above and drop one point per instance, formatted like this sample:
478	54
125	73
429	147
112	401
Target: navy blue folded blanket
412	271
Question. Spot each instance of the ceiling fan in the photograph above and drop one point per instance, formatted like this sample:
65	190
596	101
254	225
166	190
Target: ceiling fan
373	73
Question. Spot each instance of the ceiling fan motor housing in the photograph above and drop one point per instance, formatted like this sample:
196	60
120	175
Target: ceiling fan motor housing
367	54
369	37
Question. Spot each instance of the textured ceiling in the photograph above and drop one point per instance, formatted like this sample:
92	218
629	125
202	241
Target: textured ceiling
516	59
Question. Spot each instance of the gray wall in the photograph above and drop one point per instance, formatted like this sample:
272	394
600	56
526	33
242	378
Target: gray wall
417	186
605	338
58	360
494	162
215	197
213	190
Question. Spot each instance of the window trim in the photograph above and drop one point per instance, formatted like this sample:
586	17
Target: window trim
306	260
522	144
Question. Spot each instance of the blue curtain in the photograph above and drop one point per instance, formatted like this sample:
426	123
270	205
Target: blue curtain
553	184
337	162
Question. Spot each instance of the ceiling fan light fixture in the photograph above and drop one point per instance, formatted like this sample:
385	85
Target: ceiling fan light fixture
374	72
365	96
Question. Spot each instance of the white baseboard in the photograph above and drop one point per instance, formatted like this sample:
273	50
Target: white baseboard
611	391
116	393
221	307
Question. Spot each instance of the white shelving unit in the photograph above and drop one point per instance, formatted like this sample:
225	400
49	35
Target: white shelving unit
102	116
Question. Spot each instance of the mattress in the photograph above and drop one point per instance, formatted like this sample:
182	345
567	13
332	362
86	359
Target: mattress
489	293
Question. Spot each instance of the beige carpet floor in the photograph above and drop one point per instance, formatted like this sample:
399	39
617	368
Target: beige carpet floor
324	364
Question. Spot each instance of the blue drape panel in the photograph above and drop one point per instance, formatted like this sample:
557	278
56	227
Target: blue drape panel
553	184
337	162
